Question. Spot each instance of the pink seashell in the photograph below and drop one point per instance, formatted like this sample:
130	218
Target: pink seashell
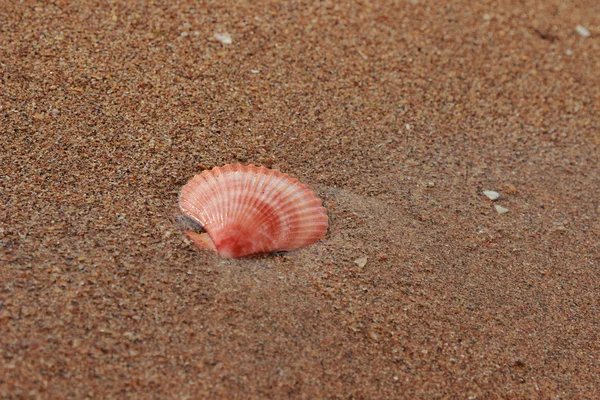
247	210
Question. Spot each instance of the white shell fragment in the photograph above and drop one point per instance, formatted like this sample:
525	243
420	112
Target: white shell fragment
224	38
361	261
491	194
501	210
582	31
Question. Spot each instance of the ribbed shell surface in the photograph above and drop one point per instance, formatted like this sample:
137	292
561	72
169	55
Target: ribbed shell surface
249	209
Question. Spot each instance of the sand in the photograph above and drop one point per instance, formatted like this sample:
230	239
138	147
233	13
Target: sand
398	114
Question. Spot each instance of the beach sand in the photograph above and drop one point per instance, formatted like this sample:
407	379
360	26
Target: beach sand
399	114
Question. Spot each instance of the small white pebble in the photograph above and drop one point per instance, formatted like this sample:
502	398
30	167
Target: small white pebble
184	34
361	261
254	71
54	112
569	52
491	194
582	31
501	210
224	38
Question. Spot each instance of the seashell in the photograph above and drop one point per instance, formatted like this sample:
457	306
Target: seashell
248	210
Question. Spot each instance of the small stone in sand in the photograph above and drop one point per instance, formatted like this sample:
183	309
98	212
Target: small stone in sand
582	31
560	229
361	261
501	210
491	194
224	38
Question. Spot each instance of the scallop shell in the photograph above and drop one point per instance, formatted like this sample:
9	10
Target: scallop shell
247	210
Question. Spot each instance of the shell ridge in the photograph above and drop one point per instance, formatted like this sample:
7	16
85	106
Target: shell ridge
230	192
207	191
242	214
215	202
266	222
306	205
252	187
241	211
192	210
194	213
278	183
233	179
222	204
272	232
285	190
257	199
288	196
265	209
256	188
